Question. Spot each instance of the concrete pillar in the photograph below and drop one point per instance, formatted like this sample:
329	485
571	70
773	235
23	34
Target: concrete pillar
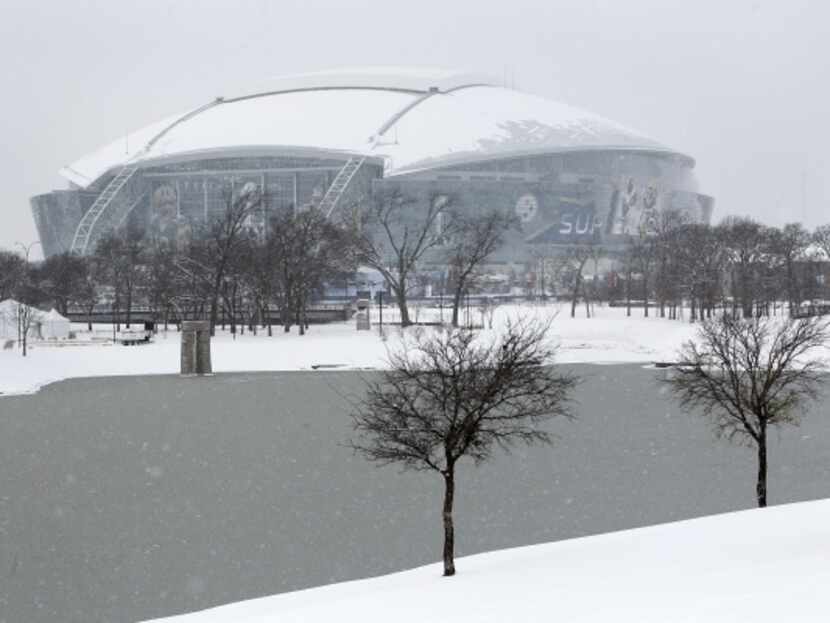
195	355
364	321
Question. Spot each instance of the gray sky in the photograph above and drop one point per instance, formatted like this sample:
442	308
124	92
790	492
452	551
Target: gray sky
741	85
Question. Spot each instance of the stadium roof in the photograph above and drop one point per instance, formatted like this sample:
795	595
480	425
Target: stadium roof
410	119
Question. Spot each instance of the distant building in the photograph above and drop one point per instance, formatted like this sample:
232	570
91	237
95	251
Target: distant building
330	139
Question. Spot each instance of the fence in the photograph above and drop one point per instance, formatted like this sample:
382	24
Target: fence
315	314
808	311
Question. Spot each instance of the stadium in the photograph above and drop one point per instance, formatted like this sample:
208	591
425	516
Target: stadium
330	139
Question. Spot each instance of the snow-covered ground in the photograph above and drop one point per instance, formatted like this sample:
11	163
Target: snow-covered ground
609	337
758	565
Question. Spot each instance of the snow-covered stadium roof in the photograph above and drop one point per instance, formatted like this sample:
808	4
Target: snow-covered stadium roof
411	119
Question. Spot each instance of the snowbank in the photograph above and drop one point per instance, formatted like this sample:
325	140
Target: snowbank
610	337
758	565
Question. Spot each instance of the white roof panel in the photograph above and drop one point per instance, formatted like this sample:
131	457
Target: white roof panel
90	167
416	119
486	122
335	121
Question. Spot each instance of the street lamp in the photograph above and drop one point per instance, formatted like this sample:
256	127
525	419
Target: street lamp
27	248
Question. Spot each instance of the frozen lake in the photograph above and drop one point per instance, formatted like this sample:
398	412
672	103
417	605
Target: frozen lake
123	499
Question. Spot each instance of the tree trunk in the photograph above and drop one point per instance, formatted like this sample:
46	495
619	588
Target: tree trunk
575	296
747	303
299	320
24	334
400	297
232	316
285	314
456	304
117	313
449	531
129	306
761	486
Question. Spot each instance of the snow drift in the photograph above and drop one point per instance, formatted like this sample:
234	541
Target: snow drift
757	565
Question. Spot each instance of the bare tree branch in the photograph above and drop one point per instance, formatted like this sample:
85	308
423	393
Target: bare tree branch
449	395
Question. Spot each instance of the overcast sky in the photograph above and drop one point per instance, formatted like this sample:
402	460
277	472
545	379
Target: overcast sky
741	85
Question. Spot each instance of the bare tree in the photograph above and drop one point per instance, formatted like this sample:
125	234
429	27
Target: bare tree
211	256
119	259
62	276
133	274
27	316
261	279
788	246
280	242
12	267
571	267
748	376
24	316
488	312
22	312
821	237
627	264
161	273
447	397
87	294
476	238
701	257
321	252
746	246
28	293
308	249
667	271
396	232
643	253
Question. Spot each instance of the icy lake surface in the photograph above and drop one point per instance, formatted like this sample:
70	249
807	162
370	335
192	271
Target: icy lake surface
123	499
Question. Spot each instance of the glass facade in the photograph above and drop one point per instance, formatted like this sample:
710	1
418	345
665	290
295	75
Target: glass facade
601	196
570	198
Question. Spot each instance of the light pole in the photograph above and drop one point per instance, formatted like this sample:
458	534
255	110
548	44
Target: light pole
27	248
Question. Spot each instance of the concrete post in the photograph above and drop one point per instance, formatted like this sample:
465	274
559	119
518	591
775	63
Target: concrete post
195	355
364	322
